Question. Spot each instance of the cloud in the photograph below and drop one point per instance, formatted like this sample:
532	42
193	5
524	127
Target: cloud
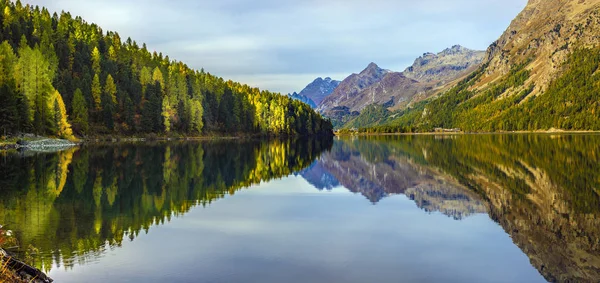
290	40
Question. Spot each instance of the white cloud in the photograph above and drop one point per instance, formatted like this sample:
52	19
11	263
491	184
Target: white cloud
286	40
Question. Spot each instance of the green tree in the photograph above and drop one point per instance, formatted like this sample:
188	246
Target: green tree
151	114
80	112
8	59
96	61
110	89
97	92
33	75
9	112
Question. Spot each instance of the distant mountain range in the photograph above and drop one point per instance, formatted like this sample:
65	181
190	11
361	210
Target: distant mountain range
393	90
316	91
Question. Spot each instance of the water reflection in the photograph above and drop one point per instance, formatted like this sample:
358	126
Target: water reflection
70	207
378	170
543	190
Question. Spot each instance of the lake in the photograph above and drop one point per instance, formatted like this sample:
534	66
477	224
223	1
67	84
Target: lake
447	208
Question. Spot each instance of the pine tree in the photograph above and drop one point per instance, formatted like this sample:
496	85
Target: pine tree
80	112
9	113
151	114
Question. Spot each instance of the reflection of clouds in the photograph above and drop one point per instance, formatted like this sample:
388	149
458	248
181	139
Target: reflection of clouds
287	231
297	37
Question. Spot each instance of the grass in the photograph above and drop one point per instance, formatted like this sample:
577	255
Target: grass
7	274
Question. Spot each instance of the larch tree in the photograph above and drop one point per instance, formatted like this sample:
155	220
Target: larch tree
109	102
110	89
145	77
32	73
8	59
96	61
63	127
97	92
157	76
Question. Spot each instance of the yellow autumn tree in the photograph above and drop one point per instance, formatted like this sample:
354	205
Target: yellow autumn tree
63	127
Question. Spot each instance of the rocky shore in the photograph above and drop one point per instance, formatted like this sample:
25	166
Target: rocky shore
40	144
14	270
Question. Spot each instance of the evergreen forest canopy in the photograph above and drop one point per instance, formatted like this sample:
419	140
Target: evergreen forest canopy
62	76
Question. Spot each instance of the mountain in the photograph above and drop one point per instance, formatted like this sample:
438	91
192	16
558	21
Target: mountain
397	90
350	87
62	76
304	99
319	89
541	74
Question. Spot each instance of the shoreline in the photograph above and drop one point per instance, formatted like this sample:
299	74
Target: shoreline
28	142
551	132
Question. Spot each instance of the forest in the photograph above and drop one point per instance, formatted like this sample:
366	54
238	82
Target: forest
61	76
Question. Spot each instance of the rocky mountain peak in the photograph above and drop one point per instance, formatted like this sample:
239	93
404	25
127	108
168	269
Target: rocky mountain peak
444	66
373	70
456	49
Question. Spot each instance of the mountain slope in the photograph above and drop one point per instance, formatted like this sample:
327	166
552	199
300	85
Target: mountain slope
540	74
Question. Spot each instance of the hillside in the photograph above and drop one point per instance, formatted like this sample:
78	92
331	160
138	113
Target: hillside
540	74
61	76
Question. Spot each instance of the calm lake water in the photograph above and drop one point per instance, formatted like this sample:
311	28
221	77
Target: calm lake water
470	208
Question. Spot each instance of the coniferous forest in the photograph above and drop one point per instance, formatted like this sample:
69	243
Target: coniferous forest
61	76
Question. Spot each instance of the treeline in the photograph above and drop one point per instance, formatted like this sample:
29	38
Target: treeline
570	102
61	76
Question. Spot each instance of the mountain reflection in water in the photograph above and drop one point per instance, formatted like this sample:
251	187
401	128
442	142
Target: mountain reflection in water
544	190
74	206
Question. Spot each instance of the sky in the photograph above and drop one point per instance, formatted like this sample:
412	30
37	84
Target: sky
283	45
